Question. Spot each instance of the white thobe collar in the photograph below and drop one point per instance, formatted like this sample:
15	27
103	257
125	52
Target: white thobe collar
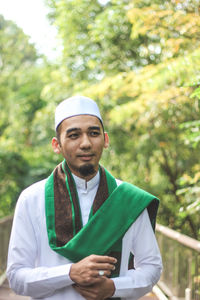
86	185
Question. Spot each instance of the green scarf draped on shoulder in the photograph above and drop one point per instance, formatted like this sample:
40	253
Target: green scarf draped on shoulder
114	210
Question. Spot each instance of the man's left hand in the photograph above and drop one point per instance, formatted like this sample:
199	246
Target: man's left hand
98	291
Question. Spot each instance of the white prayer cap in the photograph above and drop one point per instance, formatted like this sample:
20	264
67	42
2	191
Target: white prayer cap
74	106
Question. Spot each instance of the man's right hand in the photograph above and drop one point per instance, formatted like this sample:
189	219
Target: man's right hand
86	271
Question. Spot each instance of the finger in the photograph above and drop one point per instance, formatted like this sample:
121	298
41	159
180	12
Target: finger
104	259
95	274
103	266
92	280
105	274
87	294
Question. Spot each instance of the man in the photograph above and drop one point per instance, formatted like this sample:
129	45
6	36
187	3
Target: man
73	232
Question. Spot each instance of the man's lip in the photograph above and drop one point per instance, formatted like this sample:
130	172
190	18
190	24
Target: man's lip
85	156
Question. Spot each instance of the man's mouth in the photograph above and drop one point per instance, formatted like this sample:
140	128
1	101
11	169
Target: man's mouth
85	157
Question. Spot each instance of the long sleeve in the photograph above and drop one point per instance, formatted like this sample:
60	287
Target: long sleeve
24	276
141	241
35	270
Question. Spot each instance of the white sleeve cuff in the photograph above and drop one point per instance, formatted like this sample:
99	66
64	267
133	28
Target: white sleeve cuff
123	286
62	274
40	282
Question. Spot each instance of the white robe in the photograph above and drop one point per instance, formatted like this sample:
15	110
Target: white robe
35	270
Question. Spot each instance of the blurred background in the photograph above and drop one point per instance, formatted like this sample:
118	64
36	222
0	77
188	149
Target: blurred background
140	60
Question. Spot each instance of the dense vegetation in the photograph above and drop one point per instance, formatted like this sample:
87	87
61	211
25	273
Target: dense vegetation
140	60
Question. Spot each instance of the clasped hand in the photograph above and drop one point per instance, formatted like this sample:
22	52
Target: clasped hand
88	282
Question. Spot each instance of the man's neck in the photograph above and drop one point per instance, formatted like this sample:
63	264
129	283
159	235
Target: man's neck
85	184
86	178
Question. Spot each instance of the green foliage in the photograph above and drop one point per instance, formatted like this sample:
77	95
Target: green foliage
102	40
96	38
13	172
166	28
140	61
192	128
190	184
192	132
20	87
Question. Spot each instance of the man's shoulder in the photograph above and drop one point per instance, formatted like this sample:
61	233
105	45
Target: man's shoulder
34	189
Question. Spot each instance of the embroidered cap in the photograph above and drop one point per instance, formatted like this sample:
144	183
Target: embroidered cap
74	106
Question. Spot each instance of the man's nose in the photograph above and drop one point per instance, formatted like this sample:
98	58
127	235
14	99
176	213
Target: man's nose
85	141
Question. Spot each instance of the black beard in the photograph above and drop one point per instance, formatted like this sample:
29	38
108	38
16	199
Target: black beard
86	170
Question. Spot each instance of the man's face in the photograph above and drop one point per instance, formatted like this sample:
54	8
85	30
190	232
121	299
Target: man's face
81	143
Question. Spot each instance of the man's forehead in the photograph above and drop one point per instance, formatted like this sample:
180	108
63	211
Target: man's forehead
81	122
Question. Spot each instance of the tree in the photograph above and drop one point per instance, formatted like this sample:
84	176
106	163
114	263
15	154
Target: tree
100	40
20	87
96	38
144	53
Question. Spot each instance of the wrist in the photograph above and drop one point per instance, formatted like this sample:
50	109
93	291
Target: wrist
71	273
111	287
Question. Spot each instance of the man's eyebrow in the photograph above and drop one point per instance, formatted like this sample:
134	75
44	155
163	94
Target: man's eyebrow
94	128
68	131
72	129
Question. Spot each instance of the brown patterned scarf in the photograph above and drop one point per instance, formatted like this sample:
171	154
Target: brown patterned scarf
68	220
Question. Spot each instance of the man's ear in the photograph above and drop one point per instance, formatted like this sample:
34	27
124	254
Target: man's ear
106	140
56	145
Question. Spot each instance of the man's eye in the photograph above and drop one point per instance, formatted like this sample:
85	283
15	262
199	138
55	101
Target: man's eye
94	133
73	136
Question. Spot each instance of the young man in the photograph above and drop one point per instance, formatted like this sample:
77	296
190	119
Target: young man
73	233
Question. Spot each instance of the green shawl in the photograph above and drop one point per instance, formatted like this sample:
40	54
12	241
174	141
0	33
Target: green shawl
114	210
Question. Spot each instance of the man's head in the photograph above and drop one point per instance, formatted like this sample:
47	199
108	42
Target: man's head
74	106
80	135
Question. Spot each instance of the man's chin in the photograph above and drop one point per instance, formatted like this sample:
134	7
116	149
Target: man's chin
86	170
